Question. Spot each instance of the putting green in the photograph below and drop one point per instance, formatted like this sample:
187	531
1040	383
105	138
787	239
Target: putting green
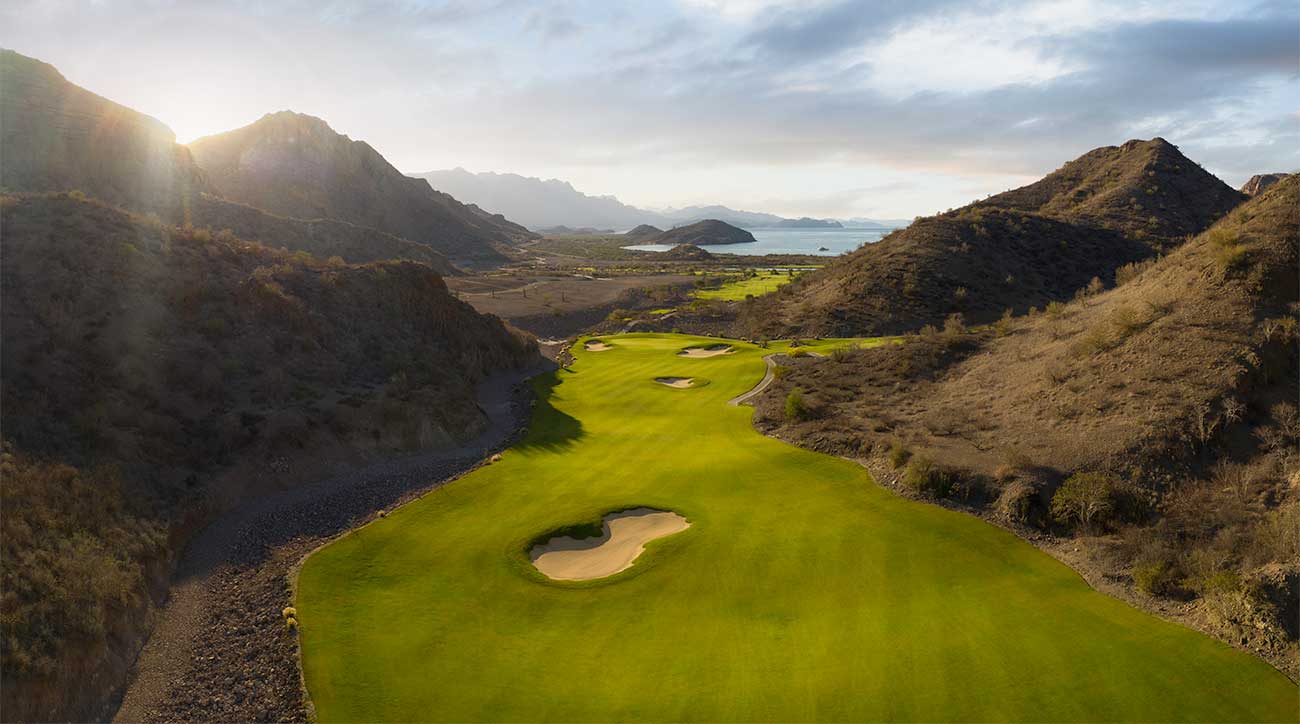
801	590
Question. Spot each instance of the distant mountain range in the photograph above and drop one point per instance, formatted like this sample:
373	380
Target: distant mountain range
541	204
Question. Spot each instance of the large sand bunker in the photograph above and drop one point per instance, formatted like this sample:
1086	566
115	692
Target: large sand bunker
712	350
621	541
596	345
680	383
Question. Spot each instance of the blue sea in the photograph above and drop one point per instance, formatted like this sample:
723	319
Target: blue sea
791	241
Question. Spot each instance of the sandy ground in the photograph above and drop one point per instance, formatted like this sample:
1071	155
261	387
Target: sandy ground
597	347
711	351
623	540
680	383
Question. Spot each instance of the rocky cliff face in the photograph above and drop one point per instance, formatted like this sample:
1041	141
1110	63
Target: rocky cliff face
56	136
1261	181
296	165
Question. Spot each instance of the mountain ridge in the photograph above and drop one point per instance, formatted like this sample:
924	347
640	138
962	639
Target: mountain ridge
546	203
1043	242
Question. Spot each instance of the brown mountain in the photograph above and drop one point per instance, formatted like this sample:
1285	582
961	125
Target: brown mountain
59	137
56	136
1022	248
296	165
1261	181
154	374
644	231
708	232
1177	387
1146	189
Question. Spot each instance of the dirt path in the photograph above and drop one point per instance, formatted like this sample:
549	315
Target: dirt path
220	651
762	385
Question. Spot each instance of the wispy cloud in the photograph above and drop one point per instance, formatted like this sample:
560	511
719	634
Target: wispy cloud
797	104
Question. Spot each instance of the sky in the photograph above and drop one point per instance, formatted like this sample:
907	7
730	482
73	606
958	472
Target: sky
824	108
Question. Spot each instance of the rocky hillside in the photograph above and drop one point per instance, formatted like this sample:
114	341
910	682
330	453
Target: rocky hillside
1020	249
709	232
56	136
296	165
175	371
1145	189
1169	401
1259	182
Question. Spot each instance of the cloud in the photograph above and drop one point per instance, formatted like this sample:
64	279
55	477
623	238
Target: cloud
788	102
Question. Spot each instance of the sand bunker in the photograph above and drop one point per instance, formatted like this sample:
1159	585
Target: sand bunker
678	382
712	350
596	346
622	540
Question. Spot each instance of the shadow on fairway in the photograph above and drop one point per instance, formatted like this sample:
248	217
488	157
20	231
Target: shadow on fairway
550	429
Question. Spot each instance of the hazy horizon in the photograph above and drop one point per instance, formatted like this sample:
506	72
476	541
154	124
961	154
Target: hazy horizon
823	109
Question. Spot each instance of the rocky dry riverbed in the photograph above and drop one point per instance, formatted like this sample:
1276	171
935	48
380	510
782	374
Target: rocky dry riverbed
221	651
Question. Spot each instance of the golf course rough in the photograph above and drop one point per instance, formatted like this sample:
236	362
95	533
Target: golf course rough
802	591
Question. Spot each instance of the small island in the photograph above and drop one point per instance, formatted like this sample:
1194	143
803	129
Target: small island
709	232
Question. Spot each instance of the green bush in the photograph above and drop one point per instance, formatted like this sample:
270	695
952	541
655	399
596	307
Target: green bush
898	454
924	477
1085	499
1154	578
799	352
795	407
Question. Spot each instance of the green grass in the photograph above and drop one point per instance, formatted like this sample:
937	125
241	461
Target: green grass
802	591
740	287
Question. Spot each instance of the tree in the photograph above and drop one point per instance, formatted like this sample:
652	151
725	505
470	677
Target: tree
1085	498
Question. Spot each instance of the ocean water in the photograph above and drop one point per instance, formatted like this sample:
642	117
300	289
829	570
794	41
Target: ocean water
791	241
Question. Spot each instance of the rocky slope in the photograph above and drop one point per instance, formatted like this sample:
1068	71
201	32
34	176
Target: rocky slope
1259	182
1176	390
296	165
184	371
56	136
1016	250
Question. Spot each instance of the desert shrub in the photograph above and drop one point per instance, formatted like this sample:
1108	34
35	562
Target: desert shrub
1276	537
72	547
1154	578
926	478
289	612
1085	499
843	354
898	454
1097	339
1095	287
795	407
1228	250
780	371
1054	309
954	326
799	352
1003	326
1129	272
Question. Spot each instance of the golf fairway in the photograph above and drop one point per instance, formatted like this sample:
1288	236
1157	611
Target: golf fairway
801	590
